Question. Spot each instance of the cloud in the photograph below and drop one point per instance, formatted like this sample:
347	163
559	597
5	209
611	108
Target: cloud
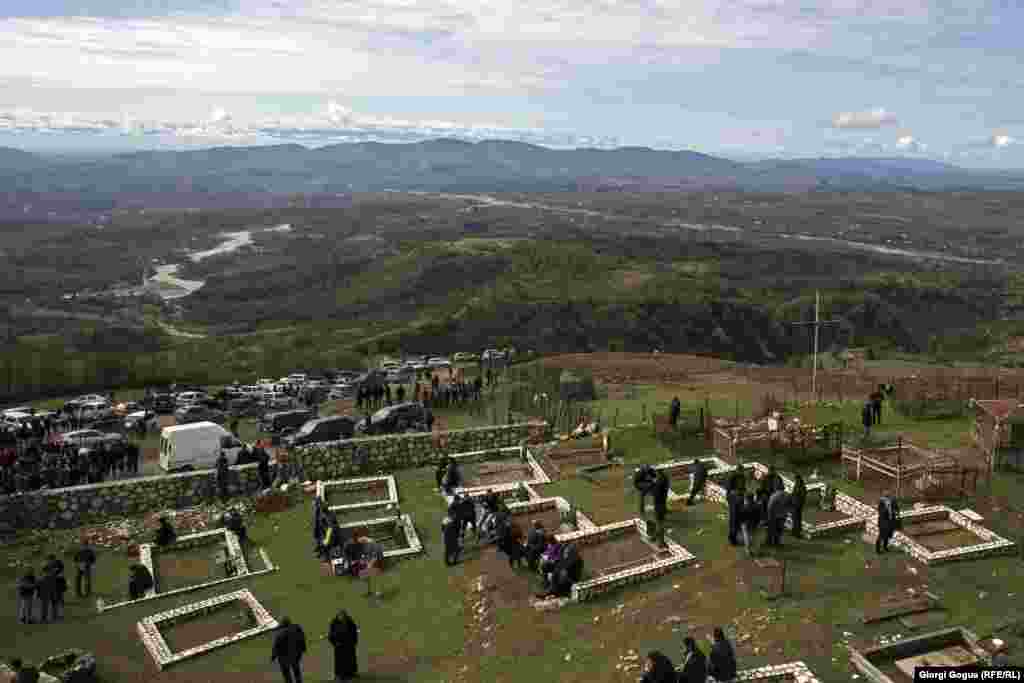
219	115
864	120
909	143
1001	140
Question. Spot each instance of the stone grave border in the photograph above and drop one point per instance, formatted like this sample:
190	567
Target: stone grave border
355	485
408	528
504	491
149	628
146	552
860	661
586	590
583	522
792	671
539	476
991	543
715	465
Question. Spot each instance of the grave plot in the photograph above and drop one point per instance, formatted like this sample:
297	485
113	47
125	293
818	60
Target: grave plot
509	493
193	562
396	535
555	513
358	495
483	469
937	534
895	662
619	554
567	457
818	522
797	672
201	627
680	471
602	474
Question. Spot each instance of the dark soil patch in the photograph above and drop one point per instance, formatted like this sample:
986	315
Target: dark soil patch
815	515
231	619
629	547
512	587
939	526
182	568
481	474
551	519
373	493
949	540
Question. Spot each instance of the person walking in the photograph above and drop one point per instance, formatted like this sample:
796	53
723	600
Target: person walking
343	635
700	479
673	412
888	522
85	558
798	498
289	646
722	659
866	418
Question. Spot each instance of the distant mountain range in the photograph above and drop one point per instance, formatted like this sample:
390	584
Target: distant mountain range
447	165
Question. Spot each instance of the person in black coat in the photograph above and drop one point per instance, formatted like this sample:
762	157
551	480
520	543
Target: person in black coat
222	476
535	544
343	635
888	522
673	411
289	646
452	541
695	667
85	559
660	491
750	518
722	659
658	669
141	581
165	534
700	480
798	498
263	468
867	417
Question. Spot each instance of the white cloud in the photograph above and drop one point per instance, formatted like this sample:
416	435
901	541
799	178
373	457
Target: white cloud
864	120
909	143
219	115
1002	140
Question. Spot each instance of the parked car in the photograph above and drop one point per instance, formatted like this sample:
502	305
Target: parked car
145	417
127	407
438	362
187	398
333	428
163	404
399	418
16	419
465	356
197	413
94	410
341	391
245	406
88	398
196	446
28	410
87	438
285	421
277	399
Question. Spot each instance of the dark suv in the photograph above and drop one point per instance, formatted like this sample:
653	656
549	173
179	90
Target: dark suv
399	418
334	428
163	404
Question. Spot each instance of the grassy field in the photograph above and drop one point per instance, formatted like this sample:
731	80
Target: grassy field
422	627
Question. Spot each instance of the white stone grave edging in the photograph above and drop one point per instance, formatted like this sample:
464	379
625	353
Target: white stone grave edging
149	628
585	590
146	559
355	485
503	490
792	671
404	522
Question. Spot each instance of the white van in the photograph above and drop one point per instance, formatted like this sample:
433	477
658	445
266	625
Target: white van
196	446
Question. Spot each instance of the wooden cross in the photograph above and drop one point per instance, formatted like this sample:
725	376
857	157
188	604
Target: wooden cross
817	325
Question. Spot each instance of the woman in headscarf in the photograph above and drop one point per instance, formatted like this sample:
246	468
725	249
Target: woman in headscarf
722	660
658	669
694	669
344	636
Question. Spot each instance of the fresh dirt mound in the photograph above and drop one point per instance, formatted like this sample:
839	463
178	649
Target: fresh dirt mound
619	368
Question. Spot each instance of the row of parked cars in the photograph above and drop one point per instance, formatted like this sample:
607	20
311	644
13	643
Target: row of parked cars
302	427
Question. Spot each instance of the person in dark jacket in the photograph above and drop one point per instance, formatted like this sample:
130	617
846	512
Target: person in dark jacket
452	541
658	669
165	534
734	499
643	481
867	417
343	635
85	559
695	667
798	498
222	476
46	589
452	477
750	517
673	412
700	480
778	508
24	674
771	483
877	397
442	469
27	587
141	581
263	468
722	659
661	489
289	646
535	543
888	522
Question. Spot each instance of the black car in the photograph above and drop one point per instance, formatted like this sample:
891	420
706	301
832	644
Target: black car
334	428
164	404
285	420
399	418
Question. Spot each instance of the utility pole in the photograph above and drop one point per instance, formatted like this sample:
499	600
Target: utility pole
818	322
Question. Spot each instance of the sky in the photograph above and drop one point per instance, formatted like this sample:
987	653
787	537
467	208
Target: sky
745	79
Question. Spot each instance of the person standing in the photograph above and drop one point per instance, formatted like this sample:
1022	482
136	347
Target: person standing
866	418
700	480
750	517
222	476
46	589
658	669
450	529
27	587
343	635
694	668
661	489
24	674
673	412
722	659
734	498
289	646
798	498
877	397
888	522
85	558
263	469
778	508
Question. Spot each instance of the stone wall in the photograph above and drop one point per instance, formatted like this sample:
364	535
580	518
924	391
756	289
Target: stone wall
77	505
333	460
92	503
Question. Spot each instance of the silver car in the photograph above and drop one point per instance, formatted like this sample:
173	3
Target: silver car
88	438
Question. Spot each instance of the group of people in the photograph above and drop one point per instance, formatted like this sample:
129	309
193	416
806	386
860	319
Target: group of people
719	664
353	546
871	413
49	465
770	504
455	392
47	591
290	647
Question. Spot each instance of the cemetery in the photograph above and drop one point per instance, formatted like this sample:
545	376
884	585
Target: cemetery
220	602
